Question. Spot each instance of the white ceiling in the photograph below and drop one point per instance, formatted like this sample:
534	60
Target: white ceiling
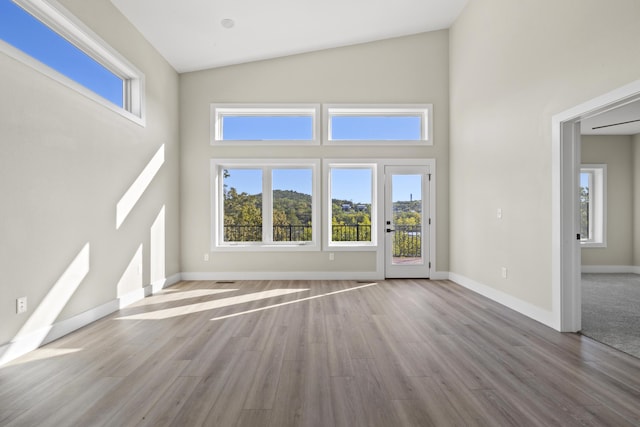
616	117
189	35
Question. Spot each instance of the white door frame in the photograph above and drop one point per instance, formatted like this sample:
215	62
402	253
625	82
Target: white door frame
565	164
409	271
380	257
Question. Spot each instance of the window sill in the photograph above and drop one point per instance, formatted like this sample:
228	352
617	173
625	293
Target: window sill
288	247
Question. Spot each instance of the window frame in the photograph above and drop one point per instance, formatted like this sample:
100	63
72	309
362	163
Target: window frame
64	23
424	111
598	206
267	166
327	232
218	110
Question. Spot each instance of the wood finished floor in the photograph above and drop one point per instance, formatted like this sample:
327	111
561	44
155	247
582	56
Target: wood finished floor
321	353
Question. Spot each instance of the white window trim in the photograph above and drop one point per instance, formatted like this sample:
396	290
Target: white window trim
598	206
425	111
218	110
59	19
328	244
217	194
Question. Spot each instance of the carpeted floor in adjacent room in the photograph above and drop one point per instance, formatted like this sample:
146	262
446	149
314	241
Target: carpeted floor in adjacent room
611	310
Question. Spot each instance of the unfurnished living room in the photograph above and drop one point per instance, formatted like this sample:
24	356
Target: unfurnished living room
285	213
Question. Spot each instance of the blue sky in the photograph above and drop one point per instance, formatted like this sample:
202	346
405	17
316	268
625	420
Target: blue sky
267	128
372	128
406	187
26	33
584	180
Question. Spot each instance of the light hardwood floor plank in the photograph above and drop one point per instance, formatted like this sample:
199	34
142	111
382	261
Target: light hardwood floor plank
320	353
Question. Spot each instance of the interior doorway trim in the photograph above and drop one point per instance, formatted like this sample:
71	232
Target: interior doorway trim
565	165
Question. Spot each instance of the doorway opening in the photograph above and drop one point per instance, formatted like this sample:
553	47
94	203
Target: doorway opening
566	164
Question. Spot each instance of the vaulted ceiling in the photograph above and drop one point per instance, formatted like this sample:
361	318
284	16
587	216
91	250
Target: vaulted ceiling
193	34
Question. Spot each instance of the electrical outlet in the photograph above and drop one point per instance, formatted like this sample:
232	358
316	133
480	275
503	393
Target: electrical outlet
21	305
504	272
499	213
206	257
331	256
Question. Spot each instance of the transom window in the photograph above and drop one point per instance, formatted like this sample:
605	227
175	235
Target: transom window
265	204
406	124
69	52
593	205
271	124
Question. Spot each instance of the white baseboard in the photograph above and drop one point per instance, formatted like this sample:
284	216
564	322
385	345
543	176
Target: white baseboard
302	275
611	269
536	313
159	285
439	275
306	275
23	344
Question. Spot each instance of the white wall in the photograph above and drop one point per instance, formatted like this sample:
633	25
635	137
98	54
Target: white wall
616	152
65	162
411	69
513	66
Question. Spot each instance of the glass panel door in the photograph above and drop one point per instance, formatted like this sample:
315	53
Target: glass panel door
407	221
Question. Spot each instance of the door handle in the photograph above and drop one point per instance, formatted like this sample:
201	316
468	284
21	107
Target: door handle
390	230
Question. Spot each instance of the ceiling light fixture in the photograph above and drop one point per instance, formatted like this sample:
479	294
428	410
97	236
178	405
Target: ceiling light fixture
227	23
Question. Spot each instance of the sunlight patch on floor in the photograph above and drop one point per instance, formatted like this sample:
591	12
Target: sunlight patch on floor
42	354
293	302
210	305
169	295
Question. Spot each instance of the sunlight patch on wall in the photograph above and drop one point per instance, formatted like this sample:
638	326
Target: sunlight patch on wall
39	324
157	248
131	279
133	194
210	305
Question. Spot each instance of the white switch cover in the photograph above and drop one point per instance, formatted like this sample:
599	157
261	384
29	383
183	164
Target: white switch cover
499	213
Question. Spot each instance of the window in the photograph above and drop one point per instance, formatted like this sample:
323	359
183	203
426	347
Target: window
69	52
351	205
266	124
386	124
265	204
593	205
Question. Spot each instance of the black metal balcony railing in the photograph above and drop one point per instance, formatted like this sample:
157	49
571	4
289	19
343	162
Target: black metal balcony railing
243	233
292	233
351	233
407	241
253	233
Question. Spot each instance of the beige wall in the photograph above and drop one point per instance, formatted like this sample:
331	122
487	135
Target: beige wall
404	70
65	162
616	153
513	66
